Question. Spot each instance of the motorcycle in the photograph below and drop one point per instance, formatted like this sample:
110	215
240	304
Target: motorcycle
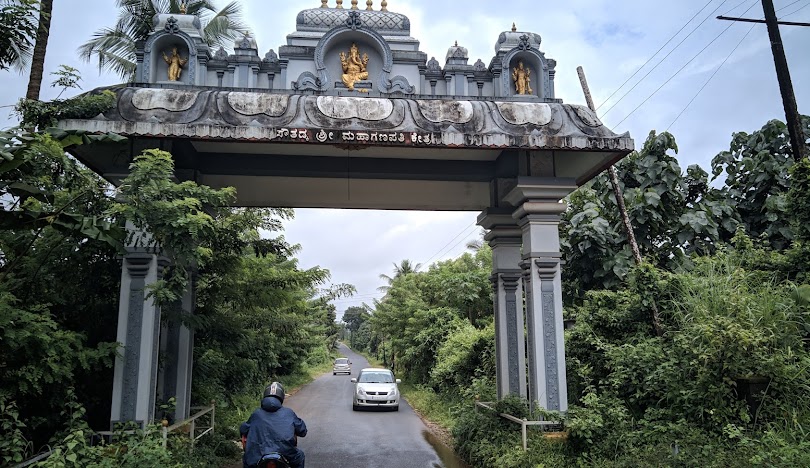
271	460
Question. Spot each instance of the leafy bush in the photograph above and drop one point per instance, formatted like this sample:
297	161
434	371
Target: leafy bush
42	115
467	353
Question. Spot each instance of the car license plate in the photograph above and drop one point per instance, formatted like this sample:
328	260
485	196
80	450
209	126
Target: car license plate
380	397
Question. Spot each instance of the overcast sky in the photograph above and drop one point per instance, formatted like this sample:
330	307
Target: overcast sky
611	39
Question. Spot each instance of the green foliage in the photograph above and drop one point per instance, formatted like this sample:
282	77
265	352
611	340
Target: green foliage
798	200
757	180
38	354
673	216
466	354
13	445
180	220
42	115
19	20
67	77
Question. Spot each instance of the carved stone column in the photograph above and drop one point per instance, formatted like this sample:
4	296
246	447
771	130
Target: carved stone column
135	375
538	215
177	346
505	238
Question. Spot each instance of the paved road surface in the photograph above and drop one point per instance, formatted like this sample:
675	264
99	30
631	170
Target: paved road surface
340	437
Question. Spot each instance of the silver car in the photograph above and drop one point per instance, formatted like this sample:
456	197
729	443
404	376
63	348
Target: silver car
342	366
376	388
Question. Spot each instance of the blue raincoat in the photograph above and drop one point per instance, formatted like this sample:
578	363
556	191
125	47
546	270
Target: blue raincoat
272	428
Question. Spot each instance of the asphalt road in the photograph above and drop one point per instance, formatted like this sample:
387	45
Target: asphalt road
341	437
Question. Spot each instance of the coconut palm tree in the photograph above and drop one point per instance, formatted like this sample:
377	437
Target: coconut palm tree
18	27
40	47
405	267
115	47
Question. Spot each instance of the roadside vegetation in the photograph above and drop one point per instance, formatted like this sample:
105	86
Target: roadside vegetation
259	316
726	383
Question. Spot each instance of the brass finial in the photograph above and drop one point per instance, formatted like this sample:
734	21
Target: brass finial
514	28
354	4
183	8
384	5
324	3
340	4
456	44
369	4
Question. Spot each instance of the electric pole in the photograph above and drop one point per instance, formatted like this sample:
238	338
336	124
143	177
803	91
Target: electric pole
794	124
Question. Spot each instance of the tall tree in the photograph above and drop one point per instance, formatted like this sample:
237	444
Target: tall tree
40	47
115	47
405	267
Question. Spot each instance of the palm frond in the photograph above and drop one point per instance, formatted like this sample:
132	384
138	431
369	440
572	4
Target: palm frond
114	49
225	24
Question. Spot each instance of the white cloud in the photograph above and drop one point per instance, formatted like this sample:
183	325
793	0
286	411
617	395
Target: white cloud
609	38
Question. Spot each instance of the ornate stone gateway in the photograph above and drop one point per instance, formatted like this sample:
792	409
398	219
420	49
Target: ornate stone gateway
350	114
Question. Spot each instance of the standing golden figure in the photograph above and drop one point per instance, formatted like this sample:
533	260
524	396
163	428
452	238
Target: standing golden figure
522	79
354	67
176	63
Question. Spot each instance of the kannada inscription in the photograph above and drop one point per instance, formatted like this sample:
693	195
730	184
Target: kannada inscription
351	137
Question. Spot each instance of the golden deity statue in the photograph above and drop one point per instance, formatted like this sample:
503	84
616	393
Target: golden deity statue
354	67
175	63
522	78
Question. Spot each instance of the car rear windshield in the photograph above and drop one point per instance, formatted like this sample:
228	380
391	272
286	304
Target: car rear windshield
376	377
341	361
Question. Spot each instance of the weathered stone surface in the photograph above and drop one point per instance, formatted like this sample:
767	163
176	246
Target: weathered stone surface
360	108
400	121
169	99
446	111
587	116
519	113
253	104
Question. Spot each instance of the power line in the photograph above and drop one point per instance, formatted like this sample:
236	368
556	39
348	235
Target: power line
665	57
800	9
656	53
464	231
680	69
788	6
711	77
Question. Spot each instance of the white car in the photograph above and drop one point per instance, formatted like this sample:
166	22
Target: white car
376	388
342	366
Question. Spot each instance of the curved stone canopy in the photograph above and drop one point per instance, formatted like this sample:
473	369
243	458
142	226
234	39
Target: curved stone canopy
265	117
319	150
324	19
288	130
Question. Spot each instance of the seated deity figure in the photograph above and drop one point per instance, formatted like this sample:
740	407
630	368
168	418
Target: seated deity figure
354	67
175	63
522	78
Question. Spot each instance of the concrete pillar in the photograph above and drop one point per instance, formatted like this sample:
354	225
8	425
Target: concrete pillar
177	346
505	239
135	375
538	215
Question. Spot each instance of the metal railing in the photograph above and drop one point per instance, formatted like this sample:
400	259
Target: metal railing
191	424
31	461
524	423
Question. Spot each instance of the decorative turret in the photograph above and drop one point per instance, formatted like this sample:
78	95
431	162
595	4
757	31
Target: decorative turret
457	55
243	45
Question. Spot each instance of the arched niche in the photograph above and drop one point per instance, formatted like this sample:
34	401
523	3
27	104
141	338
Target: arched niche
156	69
340	39
532	60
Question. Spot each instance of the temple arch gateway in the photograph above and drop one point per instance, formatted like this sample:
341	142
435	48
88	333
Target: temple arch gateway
286	130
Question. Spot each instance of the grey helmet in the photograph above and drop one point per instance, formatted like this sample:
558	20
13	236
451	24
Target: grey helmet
274	390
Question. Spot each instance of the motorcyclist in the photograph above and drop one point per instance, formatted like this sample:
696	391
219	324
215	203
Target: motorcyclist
273	429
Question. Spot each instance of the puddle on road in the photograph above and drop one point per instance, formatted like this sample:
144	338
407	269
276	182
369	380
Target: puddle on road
446	454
